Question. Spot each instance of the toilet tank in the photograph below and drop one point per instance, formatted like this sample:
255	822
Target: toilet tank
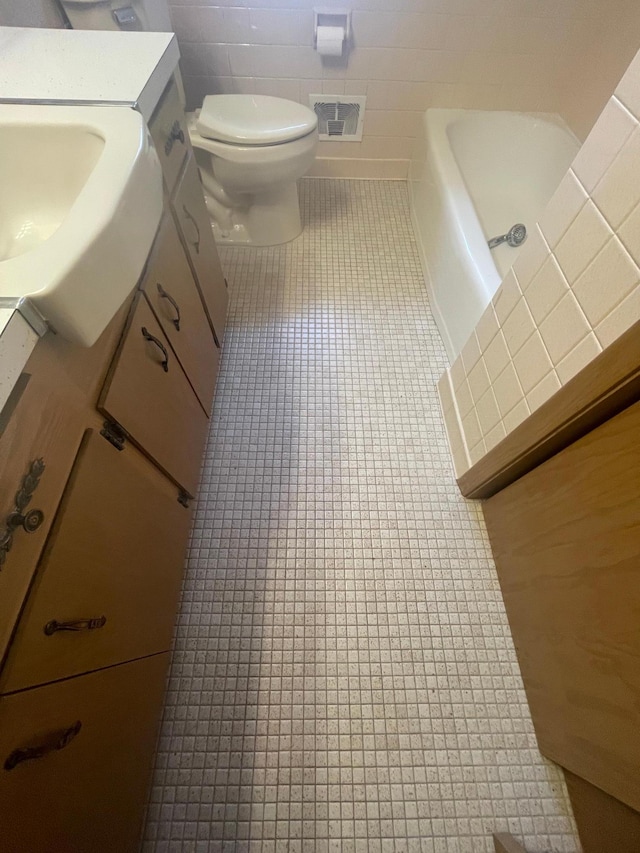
150	15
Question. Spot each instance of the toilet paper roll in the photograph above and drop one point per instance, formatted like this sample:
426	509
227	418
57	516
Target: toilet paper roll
330	41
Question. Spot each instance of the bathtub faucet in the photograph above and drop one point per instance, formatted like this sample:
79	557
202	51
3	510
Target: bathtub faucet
515	236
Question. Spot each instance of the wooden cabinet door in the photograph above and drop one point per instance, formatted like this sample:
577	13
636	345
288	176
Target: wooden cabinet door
148	394
175	300
195	226
44	419
566	539
76	759
113	563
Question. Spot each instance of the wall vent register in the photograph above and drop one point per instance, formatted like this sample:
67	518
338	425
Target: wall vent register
339	118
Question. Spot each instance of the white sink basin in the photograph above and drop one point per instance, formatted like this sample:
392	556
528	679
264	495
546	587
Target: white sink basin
80	203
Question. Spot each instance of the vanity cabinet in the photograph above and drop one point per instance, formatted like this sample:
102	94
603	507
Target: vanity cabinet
107	588
149	396
566	541
176	302
105	444
75	760
168	129
190	212
41	428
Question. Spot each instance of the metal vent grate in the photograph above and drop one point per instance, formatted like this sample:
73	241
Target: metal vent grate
339	119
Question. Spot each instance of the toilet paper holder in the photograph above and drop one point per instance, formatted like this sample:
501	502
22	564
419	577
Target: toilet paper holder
332	18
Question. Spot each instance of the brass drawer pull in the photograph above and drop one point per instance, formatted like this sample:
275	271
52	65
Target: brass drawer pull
149	337
176	134
56	741
29	521
164	295
78	625
191	218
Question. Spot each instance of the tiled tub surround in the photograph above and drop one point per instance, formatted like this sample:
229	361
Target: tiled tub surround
573	290
344	677
527	55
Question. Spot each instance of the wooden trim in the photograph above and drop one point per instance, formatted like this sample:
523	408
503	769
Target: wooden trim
504	842
609	384
604	823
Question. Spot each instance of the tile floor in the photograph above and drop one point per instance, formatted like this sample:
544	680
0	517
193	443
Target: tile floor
343	677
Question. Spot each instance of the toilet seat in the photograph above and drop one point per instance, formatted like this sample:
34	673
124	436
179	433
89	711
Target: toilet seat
254	120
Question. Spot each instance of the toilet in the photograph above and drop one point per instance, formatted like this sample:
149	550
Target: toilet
251	150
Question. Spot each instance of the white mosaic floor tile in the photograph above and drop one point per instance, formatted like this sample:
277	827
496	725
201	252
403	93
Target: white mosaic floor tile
344	677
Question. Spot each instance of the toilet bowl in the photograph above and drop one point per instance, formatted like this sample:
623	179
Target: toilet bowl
251	150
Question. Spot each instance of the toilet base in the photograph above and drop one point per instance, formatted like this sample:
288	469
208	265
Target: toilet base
268	219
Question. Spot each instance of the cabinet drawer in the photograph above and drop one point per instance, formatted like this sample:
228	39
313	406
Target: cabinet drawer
169	132
193	221
156	407
176	302
116	552
95	737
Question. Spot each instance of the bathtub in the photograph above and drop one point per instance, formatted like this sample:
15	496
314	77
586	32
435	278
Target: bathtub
472	176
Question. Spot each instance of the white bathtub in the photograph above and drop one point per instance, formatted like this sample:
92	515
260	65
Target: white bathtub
473	175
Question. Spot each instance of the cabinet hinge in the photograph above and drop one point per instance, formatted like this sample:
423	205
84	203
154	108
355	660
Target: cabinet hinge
114	434
183	498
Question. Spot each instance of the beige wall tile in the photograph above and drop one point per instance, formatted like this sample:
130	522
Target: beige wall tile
620	319
495	436
496	357
516	416
464	399
606	281
518	327
618	192
588	349
532	362
471	428
564	328
506	297
532	255
546	290
563	208
507	390
458	373
545	389
586	235
470	353
487	327
476	453
611	131
487	411
479	380
629	233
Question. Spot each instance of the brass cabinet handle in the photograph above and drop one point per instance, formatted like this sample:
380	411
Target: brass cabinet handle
78	625
191	218
164	295
54	742
176	134
29	521
149	337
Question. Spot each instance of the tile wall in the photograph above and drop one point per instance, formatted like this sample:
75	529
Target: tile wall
29	13
407	56
573	290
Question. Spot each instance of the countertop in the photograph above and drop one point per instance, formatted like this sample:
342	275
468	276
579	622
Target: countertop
86	66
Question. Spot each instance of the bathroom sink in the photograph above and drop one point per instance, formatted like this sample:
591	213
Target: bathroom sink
80	204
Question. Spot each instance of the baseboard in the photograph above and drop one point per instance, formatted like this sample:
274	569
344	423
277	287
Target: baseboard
365	170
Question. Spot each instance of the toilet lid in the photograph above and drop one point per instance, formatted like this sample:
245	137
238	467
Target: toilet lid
254	119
